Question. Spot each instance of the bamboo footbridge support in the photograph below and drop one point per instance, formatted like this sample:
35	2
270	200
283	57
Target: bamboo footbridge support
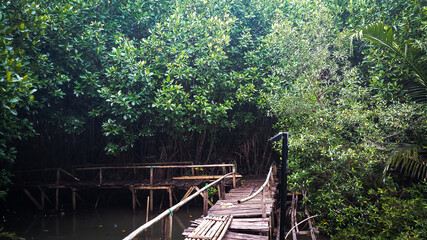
53	183
246	212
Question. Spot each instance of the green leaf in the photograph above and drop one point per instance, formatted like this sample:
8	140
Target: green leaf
22	26
9	76
14	112
379	34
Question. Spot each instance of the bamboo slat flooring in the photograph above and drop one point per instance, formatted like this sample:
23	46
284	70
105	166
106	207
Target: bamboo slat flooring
247	222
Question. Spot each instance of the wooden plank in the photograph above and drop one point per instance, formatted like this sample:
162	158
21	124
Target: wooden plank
247	224
229	235
211	227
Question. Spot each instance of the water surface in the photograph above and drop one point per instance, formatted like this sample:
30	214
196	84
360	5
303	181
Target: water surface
113	223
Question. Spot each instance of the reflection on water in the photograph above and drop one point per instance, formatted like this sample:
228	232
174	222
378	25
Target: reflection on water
100	224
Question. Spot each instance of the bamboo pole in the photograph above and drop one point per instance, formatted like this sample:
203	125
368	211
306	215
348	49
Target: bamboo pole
57	190
223	190
205	203
293	218
133	199
168	211
100	176
201	194
148	209
137	201
218	188
151	190
310	225
131	165
204	177
299	224
260	189
42	198
73	198
225	227
264	214
33	199
170	197
159	166
221	228
47	198
234	176
170	225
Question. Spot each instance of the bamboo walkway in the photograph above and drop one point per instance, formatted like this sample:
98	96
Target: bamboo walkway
252	219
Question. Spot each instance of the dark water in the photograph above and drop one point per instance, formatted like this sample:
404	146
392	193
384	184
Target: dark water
90	224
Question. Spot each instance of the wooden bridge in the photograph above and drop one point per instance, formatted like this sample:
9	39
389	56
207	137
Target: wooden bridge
252	208
247	212
49	183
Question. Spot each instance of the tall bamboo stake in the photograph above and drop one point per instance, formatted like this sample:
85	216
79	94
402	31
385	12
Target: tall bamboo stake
151	190
148	209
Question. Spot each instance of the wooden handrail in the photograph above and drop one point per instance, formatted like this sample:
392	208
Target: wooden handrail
260	189
170	210
160	167
130	164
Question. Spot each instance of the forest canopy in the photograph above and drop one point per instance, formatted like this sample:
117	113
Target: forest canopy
130	81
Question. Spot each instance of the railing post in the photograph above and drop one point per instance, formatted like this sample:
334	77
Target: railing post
100	176
151	190
42	198
234	175
192	169
264	214
218	187
170	197
148	209
57	189
223	189
73	198
205	203
169	233
133	191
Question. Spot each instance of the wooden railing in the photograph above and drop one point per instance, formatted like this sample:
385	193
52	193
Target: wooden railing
152	167
269	181
50	181
169	212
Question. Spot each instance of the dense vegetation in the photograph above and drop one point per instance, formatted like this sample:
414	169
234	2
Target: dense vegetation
209	81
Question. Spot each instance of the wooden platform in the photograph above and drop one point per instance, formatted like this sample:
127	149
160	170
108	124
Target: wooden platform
247	222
